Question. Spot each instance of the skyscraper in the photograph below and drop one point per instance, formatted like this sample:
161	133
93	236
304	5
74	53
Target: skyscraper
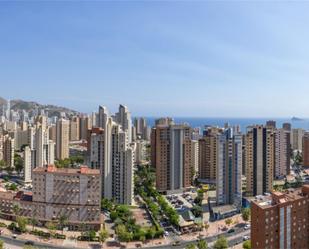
123	117
8	150
297	139
305	149
260	160
282	153
173	157
271	124
229	168
62	139
27	165
208	147
74	129
111	151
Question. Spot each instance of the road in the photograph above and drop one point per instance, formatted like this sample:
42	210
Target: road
18	243
233	239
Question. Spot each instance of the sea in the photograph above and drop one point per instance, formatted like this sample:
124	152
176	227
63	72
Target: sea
242	122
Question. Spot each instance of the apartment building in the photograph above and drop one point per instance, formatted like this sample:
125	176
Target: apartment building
259	159
280	220
173	156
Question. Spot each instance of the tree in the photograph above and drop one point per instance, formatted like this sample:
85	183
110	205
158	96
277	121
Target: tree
202	244
16	209
1	244
107	204
103	235
151	232
18	163
197	211
221	243
91	235
206	226
33	221
246	213
51	226
63	221
2	164
228	221
22	223
246	244
191	246
123	234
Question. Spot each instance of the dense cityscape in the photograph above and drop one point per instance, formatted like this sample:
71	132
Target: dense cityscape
155	124
73	180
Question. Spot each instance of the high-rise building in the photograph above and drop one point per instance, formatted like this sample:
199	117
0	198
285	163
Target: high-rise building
305	149
173	157
229	168
96	147
195	156
141	152
27	165
208	147
8	150
287	126
62	139
85	125
280	220
52	133
111	151
74	129
282	153
297	139
259	159
142	131
271	124
123	117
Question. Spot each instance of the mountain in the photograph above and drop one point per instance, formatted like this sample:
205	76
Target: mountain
296	119
30	106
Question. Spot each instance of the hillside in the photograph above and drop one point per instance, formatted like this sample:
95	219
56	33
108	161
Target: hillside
29	106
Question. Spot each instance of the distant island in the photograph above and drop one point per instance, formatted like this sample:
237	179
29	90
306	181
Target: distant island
297	119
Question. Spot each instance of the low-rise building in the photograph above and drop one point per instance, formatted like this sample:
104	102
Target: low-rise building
72	193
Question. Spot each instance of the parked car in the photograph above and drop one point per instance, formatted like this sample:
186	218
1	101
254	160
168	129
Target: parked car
247	227
245	238
231	231
29	243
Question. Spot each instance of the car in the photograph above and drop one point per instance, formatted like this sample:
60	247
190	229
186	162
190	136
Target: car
231	231
247	227
245	238
14	236
29	243
176	243
166	233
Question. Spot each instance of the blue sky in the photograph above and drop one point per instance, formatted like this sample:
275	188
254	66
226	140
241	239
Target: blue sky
177	58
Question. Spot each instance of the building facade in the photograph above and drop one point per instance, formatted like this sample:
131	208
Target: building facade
62	139
229	169
173	157
259	159
280	220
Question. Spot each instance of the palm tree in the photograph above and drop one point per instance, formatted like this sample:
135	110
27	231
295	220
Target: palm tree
103	235
16	210
33	221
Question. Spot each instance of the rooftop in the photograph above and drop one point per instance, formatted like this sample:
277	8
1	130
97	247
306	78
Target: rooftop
277	198
53	169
